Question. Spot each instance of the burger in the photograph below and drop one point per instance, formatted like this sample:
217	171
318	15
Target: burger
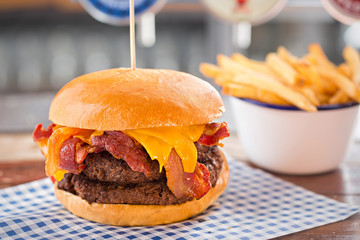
135	147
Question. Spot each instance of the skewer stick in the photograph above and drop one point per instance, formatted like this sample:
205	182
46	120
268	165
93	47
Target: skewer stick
132	35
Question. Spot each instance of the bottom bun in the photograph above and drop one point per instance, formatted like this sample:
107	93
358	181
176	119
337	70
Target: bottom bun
142	215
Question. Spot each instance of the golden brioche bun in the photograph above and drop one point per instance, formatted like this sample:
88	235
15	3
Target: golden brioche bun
142	215
132	99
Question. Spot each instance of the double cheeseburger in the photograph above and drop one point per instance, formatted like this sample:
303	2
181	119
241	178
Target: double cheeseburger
135	147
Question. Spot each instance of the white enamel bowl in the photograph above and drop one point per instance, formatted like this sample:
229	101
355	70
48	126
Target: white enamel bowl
287	140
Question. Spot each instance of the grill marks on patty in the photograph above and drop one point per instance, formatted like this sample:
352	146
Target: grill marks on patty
106	179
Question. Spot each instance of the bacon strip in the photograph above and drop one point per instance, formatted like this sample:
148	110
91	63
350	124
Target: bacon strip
81	153
41	136
41	133
123	147
213	133
68	154
195	184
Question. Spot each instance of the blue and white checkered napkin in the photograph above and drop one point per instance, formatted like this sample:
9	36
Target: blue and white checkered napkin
255	205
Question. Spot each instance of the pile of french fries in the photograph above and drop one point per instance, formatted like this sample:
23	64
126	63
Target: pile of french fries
284	79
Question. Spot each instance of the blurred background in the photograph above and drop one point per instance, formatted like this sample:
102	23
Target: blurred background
46	43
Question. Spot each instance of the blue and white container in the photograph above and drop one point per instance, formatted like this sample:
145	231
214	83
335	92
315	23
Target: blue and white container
116	12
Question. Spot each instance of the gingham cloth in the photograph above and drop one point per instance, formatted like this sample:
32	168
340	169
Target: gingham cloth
255	205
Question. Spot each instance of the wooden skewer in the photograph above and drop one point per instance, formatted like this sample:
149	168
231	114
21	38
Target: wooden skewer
132	35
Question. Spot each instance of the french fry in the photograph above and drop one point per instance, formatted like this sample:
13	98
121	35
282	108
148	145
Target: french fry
233	67
345	70
223	79
352	58
341	81
323	98
282	68
286	55
309	94
307	72
339	97
210	70
318	58
275	87
245	91
329	87
321	59
239	90
270	97
255	65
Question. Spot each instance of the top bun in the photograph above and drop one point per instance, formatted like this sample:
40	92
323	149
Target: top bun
120	99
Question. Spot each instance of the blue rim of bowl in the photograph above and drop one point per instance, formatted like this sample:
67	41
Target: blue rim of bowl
293	108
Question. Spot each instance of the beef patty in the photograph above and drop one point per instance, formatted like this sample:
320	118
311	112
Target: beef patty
106	179
105	168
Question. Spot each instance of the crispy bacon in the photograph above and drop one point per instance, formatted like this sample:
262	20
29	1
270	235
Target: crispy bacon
68	154
41	137
123	147
81	153
41	133
195	184
213	133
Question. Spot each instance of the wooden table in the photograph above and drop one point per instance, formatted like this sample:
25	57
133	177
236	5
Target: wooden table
343	184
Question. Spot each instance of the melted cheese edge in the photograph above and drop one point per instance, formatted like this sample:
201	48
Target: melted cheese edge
158	143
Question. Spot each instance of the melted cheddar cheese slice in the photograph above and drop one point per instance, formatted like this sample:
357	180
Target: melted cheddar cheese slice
158	143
